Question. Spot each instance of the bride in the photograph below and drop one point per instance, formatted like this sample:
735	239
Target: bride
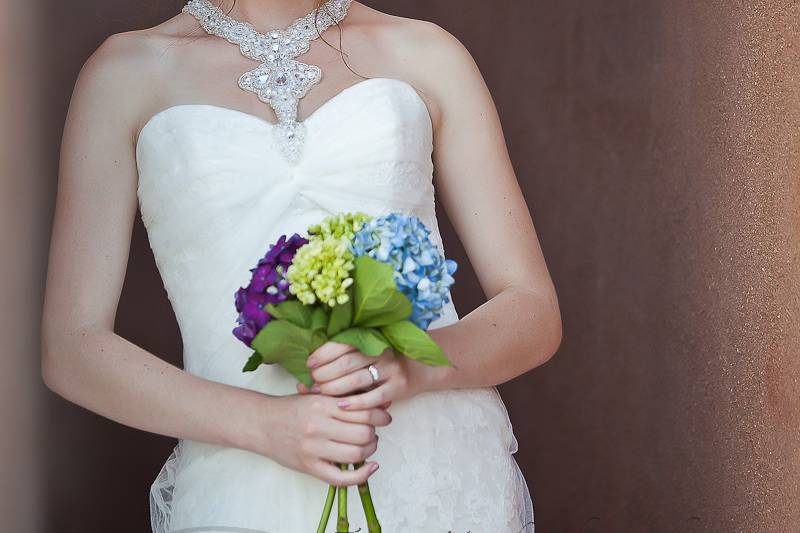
234	122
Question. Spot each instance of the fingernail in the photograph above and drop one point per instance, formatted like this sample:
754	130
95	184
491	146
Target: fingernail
343	403
373	467
312	362
315	388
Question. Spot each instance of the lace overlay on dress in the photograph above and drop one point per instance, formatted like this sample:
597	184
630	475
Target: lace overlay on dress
213	196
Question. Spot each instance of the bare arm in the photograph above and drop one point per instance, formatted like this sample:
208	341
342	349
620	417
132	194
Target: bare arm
519	327
86	362
83	359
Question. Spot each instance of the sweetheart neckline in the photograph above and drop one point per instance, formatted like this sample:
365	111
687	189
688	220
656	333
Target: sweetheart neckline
268	123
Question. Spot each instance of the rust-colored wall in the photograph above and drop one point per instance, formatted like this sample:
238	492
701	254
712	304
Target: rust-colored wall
657	145
23	232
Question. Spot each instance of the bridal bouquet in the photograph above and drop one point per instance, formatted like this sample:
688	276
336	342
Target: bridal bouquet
371	282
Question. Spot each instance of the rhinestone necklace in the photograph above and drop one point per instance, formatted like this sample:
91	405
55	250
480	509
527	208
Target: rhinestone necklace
279	80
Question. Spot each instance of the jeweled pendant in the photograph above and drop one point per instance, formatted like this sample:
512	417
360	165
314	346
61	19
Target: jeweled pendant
279	80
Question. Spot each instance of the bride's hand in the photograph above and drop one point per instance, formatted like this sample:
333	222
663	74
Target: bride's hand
339	369
309	432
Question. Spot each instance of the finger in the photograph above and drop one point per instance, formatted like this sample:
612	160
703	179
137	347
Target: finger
375	417
348	384
341	366
367	400
351	433
333	475
302	389
326	353
339	452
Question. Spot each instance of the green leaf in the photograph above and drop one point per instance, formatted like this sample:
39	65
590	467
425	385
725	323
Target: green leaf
283	342
368	341
293	311
253	362
415	343
376	299
318	338
319	318
341	315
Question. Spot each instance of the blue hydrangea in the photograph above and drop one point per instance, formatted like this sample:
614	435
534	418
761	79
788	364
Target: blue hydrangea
420	270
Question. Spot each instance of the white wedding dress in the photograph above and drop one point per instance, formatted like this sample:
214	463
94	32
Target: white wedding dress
214	193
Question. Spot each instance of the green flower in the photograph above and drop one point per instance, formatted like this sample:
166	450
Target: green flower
341	226
321	270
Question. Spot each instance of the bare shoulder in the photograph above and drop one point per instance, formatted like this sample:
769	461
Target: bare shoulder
125	71
407	36
144	51
422	53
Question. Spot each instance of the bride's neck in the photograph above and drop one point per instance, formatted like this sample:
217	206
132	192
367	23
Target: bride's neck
267	14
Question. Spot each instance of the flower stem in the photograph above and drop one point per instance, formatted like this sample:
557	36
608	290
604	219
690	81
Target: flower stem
326	511
373	526
342	525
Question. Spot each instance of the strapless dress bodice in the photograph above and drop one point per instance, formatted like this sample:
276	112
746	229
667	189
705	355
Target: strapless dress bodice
214	192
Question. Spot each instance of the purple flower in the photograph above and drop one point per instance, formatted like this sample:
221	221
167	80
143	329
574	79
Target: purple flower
268	285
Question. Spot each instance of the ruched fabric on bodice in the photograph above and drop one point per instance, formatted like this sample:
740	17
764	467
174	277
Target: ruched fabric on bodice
214	192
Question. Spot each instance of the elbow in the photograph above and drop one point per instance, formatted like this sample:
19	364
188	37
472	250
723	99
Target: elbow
541	323
557	334
52	376
553	333
60	358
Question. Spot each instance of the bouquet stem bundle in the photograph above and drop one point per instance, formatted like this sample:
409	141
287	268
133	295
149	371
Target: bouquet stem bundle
342	524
